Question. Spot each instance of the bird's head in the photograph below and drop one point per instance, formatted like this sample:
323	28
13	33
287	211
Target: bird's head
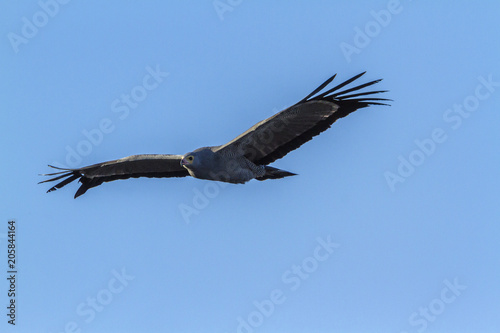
187	160
197	158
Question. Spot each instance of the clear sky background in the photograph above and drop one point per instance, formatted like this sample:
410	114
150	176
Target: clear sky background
407	196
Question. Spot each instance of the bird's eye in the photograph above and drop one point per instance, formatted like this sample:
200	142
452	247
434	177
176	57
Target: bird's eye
190	158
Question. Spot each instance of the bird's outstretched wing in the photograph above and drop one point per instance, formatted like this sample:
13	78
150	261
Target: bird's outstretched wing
287	130
135	166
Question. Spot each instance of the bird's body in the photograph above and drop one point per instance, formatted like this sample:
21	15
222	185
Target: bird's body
244	158
211	164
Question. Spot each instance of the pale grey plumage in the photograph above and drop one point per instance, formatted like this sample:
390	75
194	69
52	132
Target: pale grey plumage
209	163
244	158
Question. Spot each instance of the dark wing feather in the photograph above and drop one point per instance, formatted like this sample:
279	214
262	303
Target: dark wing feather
135	166
287	130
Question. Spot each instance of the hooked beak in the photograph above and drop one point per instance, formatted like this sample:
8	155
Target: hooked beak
184	161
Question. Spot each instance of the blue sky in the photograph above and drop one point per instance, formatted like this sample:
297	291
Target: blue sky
391	226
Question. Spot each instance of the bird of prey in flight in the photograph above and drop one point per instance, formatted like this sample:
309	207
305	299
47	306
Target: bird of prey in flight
247	156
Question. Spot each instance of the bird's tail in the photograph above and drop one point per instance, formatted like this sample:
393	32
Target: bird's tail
274	173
